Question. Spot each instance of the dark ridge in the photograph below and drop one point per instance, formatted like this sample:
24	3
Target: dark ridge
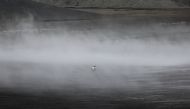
13	10
131	8
182	2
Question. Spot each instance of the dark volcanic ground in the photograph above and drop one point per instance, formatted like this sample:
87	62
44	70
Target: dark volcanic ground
45	85
156	88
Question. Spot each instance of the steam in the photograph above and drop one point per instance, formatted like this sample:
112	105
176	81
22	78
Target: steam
55	57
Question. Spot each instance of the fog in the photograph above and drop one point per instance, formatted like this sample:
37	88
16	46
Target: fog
55	58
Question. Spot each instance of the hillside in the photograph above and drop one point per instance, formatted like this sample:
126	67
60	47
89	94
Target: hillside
16	9
119	3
